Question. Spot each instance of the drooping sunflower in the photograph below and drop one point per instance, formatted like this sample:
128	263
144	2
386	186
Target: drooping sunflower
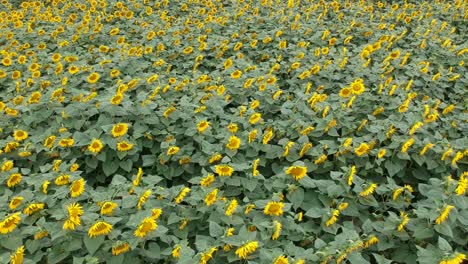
10	223
146	226
99	228
14	180
120	248
18	256
172	150
108	207
247	249
211	197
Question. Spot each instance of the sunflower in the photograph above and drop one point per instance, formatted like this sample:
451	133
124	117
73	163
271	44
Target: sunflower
176	251
108	207
120	248
247	249
236	74
345	92
66	142
224	170
17	257
124	146
254	118
15	202
274	208
207	180
357	87
14	180
73	69
231	207
77	187
95	146
211	197
182	195
297	172
234	143
32	208
62	180
362	149
93	77
172	150
7	165
202	126
20	135
99	228
146	226
119	130
117	99
10	223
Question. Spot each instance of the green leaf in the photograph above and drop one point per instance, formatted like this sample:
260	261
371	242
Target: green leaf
93	244
215	229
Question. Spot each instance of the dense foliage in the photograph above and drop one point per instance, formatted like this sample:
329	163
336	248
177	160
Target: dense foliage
204	131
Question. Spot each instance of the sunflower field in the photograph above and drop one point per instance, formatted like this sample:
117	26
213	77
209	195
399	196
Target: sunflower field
233	131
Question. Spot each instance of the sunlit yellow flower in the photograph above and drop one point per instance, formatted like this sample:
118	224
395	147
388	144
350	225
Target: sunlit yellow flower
62	180
233	143
362	149
18	256
381	153
14	180
146	226
32	208
9	224
334	217
15	202
108	207
247	249
274	208
404	221
95	146
281	260
182	195
224	170
93	77
99	228
459	258
172	150
277	232
236	74
297	172
231	207
444	214
20	135
202	126
143	198
124	146
176	251
120	248
7	165
66	142
207	180
211	197
370	190
77	187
